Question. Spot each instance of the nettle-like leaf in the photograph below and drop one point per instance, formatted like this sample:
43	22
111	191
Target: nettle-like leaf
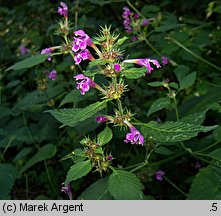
70	117
45	152
173	131
105	136
206	185
8	175
195	118
78	170
124	185
97	191
159	104
134	73
29	62
188	81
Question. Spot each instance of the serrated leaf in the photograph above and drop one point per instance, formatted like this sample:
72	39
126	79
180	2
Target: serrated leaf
206	186
195	118
134	73
188	81
29	62
159	104
105	136
43	153
97	191
172	131
78	170
124	185
155	84
7	178
70	117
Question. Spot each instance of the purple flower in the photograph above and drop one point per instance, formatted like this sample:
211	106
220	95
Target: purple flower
159	175
47	51
63	10
117	67
136	16
129	29
53	75
145	22
164	60
67	189
127	20
134	136
23	50
110	157
81	41
82	55
134	38
85	83
144	62
126	12
100	119
197	165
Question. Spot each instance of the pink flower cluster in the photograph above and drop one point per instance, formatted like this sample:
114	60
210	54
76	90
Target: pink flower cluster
79	46
85	83
47	51
63	10
134	137
127	21
53	75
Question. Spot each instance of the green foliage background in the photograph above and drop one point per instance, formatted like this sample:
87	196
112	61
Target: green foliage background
36	149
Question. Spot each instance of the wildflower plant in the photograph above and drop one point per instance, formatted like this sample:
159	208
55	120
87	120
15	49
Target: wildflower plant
101	66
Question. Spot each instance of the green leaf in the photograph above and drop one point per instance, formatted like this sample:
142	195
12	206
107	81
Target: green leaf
217	134
7	178
45	152
24	152
149	8
134	73
159	104
75	96
200	103
188	81
29	62
124	185
172	131
78	170
167	27
181	71
195	118
103	2
162	150
71	117
155	84
97	191
105	136
206	185
121	41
